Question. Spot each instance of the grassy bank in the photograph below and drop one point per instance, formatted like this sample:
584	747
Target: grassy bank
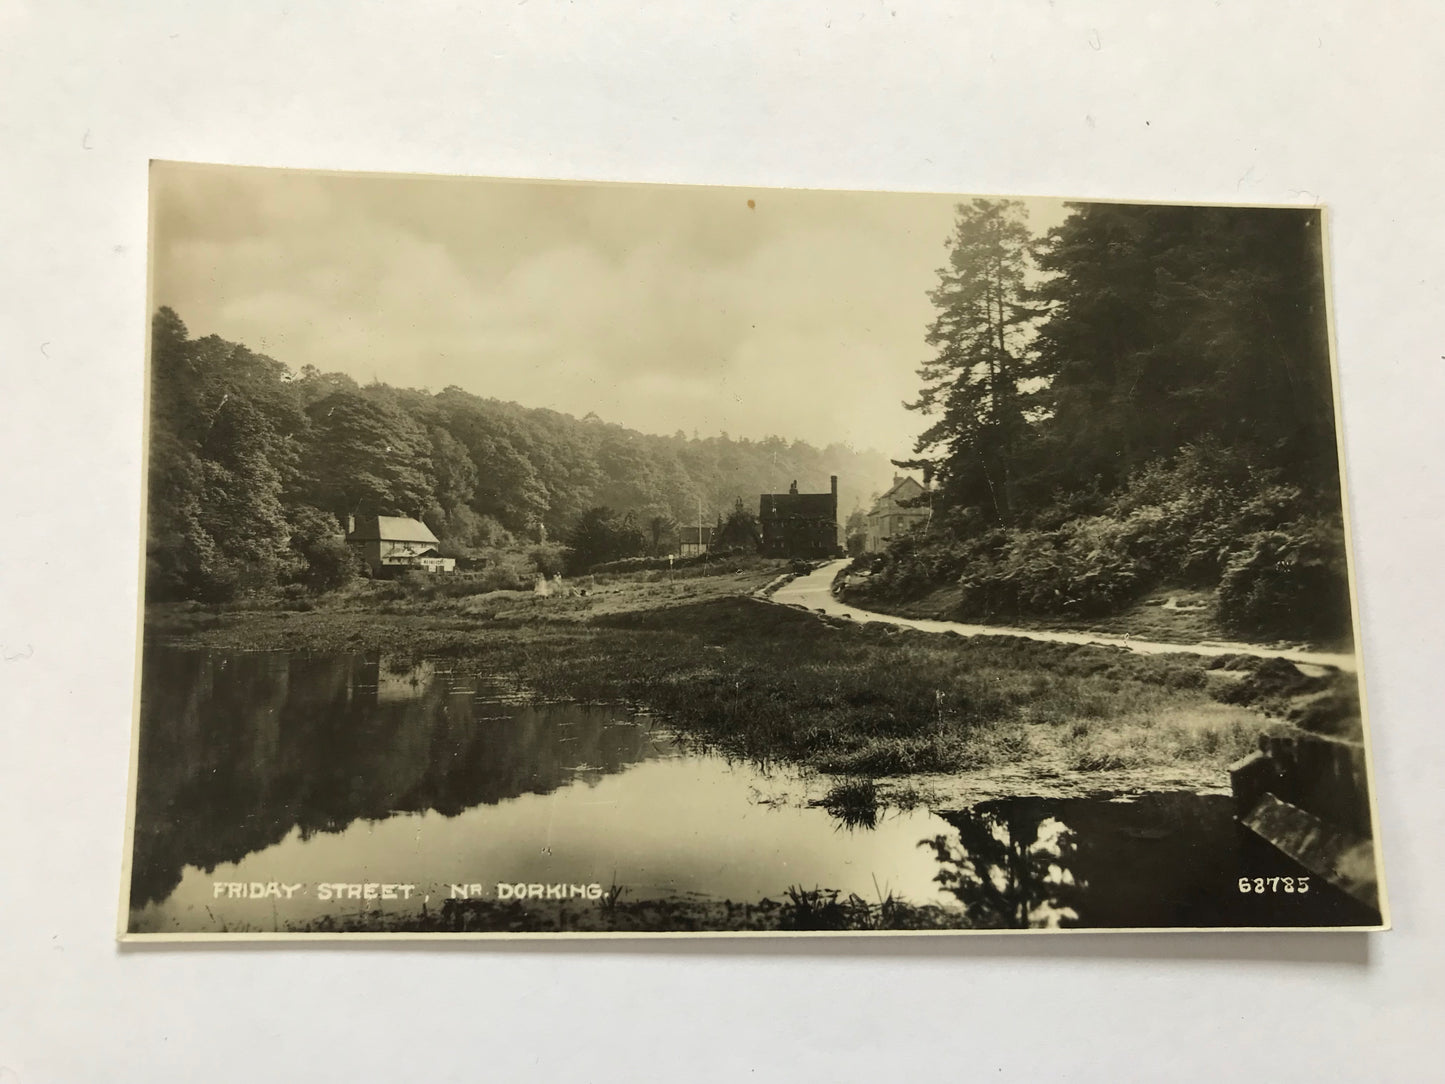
441	613
873	701
798	910
918	711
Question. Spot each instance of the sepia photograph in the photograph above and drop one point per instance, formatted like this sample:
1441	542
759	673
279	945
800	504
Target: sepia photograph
541	558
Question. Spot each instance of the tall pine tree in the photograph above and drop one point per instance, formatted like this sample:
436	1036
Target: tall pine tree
972	384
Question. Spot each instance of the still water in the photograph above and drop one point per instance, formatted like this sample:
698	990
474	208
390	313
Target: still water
286	769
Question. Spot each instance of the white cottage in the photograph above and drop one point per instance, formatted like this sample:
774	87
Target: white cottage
391	545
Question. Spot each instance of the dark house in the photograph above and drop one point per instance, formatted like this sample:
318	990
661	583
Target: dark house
800	524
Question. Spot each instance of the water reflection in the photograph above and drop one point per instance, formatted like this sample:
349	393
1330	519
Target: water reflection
1151	860
854	804
292	768
239	749
262	767
1009	869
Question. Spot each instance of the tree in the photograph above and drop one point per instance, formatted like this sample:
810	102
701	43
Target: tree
600	535
240	501
313	385
222	451
1169	325
456	483
244	451
1172	421
326	562
628	478
367	456
661	533
972	384
508	487
466	530
739	533
855	533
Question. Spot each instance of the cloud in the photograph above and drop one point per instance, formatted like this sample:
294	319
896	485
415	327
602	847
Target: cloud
660	308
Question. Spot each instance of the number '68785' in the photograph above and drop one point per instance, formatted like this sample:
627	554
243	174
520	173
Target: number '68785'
1274	884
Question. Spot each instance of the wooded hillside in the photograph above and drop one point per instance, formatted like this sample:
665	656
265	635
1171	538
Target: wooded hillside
254	466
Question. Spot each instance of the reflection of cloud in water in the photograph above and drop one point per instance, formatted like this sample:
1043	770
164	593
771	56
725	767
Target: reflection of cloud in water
1055	841
269	766
296	768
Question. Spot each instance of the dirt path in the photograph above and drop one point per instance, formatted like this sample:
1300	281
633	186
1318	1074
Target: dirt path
814	592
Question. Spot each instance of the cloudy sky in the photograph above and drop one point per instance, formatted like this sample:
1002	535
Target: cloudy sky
800	314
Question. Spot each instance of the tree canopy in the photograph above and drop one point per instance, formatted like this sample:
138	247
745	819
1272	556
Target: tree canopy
973	384
1143	396
254	468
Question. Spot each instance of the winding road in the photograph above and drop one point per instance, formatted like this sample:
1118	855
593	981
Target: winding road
814	592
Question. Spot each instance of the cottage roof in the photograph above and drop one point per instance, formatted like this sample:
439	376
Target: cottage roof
903	488
689	535
808	505
391	529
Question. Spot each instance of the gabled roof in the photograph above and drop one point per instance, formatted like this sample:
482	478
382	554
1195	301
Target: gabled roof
900	483
902	489
391	529
689	535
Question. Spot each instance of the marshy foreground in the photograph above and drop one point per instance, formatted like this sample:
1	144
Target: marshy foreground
711	760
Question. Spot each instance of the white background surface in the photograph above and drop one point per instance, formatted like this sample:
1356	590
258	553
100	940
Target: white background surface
1227	100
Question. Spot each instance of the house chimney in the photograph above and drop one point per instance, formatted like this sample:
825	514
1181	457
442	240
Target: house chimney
834	480
794	487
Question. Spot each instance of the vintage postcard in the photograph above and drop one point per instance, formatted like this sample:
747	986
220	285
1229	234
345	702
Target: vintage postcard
548	559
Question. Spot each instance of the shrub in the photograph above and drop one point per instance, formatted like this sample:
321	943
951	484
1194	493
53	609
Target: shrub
1292	581
502	570
506	570
649	564
549	558
600	535
326	561
1204	517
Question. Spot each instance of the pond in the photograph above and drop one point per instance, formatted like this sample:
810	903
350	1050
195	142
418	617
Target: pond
278	790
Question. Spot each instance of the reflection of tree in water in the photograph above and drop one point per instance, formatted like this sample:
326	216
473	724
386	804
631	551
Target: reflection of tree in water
239	749
1009	869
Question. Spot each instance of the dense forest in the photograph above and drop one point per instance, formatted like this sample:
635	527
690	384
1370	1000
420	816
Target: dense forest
254	467
1140	398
